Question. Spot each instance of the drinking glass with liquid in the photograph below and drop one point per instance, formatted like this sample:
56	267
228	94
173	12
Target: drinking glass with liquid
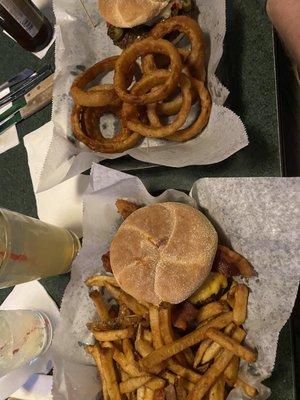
31	249
25	335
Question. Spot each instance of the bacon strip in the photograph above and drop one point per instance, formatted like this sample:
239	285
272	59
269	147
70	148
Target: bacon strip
184	315
106	262
230	263
125	207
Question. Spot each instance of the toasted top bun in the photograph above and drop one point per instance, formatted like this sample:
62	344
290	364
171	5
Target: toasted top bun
129	13
163	252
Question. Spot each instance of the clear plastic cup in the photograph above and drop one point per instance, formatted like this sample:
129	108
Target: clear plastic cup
25	335
31	249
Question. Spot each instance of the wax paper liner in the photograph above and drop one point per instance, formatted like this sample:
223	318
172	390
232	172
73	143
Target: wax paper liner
258	217
79	45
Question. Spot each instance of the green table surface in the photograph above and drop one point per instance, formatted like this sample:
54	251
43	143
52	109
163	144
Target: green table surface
247	69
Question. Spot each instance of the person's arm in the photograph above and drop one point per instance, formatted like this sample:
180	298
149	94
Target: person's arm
285	16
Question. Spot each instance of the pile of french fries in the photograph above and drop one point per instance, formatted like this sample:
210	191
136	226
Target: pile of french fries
141	356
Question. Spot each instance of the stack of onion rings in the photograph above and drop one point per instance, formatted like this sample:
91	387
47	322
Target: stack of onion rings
140	104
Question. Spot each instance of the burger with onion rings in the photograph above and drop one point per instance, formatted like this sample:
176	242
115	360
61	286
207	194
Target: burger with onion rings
129	20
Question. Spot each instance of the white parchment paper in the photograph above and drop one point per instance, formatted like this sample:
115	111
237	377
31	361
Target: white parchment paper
258	217
79	45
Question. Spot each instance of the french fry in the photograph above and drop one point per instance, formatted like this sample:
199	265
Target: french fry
128	350
159	394
132	395
165	325
247	389
101	280
170	393
143	347
240	304
103	325
211	310
147	335
189	356
110	336
211	352
183	372
189	386
156	383
107	345
231	372
100	305
215	370
229	295
124	375
125	298
131	369
140	393
180	390
167	334
167	351
231	345
155	329
217	392
230	328
109	373
133	384
149	394
203	368
94	351
214	349
169	376
203	346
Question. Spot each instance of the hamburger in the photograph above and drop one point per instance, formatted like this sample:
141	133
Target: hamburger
163	252
129	20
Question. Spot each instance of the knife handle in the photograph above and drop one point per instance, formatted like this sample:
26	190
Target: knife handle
13	109
37	103
41	87
10	122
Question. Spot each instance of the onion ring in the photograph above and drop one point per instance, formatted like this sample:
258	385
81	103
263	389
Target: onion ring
172	107
202	120
140	49
195	59
91	117
124	140
152	116
149	81
150	64
100	95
